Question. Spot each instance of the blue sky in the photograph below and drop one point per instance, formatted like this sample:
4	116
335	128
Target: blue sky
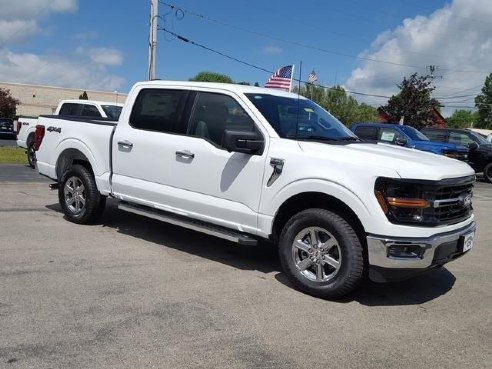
365	46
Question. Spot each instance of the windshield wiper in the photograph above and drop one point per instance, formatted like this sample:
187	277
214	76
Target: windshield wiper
316	138
350	139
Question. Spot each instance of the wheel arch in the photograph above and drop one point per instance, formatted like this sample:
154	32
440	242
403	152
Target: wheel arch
70	157
308	200
30	138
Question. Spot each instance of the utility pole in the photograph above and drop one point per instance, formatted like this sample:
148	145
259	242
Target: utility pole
433	69
154	14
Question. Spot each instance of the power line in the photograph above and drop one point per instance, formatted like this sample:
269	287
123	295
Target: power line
299	44
186	40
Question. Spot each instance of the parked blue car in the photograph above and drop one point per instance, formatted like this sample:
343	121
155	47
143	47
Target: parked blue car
407	136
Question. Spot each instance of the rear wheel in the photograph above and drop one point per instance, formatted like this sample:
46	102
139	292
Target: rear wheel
31	155
321	254
78	196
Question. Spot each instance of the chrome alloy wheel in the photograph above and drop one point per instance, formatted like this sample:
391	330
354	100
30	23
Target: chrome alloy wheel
317	254
74	192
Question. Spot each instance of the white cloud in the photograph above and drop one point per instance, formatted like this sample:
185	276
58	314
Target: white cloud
85	68
29	9
19	18
15	31
457	38
272	50
105	56
56	70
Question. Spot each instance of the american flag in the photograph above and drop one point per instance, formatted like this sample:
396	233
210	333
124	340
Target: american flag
312	77
280	79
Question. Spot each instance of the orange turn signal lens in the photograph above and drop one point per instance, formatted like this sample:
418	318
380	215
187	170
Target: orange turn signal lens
407	203
382	202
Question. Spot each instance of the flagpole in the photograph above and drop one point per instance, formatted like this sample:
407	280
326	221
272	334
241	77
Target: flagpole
291	76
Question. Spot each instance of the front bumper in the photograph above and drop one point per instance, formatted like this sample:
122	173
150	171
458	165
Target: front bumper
425	253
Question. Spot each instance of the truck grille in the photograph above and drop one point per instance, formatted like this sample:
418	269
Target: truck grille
451	200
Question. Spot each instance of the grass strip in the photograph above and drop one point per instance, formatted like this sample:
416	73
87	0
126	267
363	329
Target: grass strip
12	155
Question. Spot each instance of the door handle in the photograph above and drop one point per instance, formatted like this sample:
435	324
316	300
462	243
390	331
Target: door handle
185	154
125	144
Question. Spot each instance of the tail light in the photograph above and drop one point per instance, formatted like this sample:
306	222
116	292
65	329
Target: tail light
38	136
19	126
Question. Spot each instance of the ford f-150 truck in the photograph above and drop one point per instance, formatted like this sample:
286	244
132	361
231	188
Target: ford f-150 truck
247	163
78	108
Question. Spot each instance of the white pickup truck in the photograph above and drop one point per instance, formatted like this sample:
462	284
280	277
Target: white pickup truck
246	163
74	108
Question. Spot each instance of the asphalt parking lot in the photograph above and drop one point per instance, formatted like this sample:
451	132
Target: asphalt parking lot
132	292
7	142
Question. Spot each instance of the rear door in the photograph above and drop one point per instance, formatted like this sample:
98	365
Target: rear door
144	148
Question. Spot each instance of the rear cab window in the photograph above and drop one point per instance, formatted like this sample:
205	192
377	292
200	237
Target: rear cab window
159	110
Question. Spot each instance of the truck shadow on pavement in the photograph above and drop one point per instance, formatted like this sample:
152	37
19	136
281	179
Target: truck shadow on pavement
264	258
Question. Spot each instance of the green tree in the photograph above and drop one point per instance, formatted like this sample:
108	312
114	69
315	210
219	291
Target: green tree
462	119
83	96
339	103
414	102
211	77
8	104
483	102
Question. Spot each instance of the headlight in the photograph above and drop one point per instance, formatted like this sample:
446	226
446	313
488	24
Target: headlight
402	202
423	202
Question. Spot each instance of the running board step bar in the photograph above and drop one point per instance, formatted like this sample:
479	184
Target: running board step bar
195	225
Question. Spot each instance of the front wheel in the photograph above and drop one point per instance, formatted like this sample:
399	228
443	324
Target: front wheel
79	197
487	172
321	254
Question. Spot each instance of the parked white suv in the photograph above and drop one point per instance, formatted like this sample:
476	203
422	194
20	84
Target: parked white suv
246	163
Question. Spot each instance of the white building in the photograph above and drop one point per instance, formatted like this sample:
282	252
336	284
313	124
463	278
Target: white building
37	100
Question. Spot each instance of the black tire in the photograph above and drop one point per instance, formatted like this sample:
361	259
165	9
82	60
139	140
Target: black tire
31	155
487	172
336	241
78	196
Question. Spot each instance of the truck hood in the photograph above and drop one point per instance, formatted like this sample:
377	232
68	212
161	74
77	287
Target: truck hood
407	163
437	146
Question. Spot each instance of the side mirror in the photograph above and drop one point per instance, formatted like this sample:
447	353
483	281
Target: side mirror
244	142
400	141
473	146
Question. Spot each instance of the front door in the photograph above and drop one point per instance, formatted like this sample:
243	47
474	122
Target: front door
221	187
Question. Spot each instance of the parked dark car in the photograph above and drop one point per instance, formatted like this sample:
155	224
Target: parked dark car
7	128
480	154
407	136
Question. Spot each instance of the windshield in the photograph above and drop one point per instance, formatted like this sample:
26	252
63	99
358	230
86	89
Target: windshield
112	111
478	138
414	134
300	118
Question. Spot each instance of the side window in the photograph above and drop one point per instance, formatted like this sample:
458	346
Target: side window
436	135
214	113
158	110
69	109
367	133
459	138
90	111
389	135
